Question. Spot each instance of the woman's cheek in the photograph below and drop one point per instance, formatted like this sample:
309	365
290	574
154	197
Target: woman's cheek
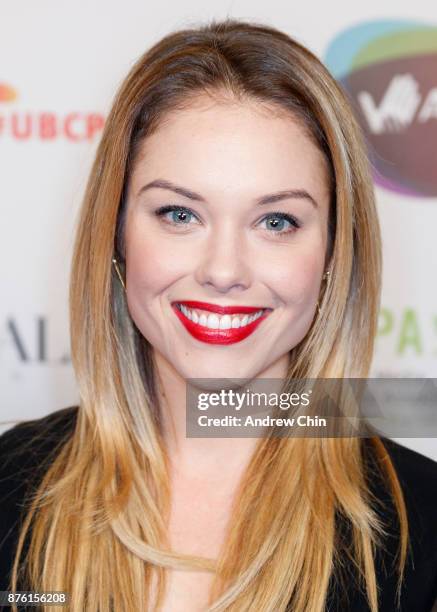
152	259
296	281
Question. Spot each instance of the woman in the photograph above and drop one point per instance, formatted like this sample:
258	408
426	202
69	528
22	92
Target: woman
231	174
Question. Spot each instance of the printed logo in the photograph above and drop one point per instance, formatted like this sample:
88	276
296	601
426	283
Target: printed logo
75	126
7	94
388	70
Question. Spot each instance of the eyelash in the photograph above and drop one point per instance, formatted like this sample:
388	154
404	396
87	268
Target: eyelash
160	212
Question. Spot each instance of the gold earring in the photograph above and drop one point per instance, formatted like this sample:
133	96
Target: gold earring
325	277
115	262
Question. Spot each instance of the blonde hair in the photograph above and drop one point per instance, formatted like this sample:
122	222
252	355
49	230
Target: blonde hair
99	515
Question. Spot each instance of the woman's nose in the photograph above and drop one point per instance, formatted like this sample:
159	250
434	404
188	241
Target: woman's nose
224	262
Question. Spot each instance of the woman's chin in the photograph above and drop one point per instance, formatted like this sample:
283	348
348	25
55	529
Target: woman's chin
207	377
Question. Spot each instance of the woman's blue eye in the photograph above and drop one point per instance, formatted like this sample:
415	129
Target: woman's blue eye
278	223
179	214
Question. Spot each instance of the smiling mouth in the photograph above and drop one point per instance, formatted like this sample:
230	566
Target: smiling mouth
214	319
208	324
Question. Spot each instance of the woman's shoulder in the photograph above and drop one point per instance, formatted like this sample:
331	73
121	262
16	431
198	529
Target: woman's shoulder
417	475
26	448
411	462
26	443
25	453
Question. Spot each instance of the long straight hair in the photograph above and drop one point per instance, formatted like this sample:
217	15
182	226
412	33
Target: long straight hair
99	517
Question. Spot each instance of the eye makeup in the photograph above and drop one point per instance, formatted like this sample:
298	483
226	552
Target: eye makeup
187	213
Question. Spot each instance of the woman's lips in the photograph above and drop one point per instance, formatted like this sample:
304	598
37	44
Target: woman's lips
221	309
219	336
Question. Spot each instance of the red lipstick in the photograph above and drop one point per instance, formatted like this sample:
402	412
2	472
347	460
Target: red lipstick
219	336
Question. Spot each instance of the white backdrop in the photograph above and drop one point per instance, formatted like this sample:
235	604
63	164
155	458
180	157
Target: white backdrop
62	63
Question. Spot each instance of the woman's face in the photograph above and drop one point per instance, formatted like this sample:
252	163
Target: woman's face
248	229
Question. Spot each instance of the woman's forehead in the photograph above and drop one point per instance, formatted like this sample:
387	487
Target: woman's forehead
230	142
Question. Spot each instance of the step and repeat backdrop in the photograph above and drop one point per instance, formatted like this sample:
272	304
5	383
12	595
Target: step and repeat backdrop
61	65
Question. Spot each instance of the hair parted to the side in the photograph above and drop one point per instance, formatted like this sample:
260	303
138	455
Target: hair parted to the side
98	519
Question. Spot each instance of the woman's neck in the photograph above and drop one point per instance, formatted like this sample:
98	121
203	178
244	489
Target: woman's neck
200	456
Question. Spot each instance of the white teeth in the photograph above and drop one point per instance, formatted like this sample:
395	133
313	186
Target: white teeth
214	321
225	322
236	323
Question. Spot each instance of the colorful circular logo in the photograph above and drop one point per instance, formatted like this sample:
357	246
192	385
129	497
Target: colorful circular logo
389	71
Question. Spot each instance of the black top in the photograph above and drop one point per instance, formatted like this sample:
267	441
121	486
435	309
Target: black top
23	460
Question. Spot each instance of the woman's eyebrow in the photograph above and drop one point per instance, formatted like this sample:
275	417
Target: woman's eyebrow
267	199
